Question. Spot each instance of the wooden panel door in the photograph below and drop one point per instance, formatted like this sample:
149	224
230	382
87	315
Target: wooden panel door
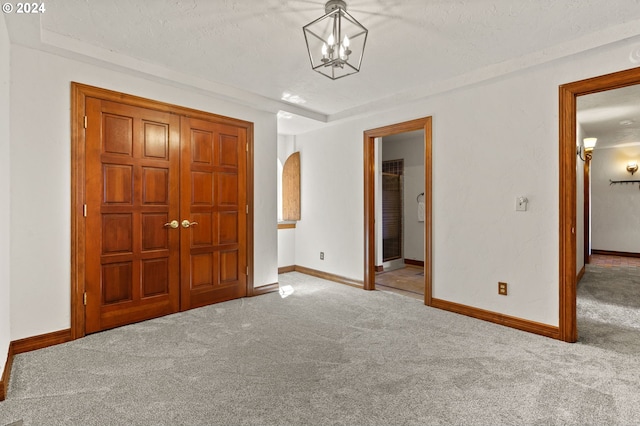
131	192
213	212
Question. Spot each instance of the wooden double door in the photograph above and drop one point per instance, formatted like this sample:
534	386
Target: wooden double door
165	213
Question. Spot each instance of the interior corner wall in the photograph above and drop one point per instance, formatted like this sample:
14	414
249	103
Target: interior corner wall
41	179
492	142
332	201
615	222
5	201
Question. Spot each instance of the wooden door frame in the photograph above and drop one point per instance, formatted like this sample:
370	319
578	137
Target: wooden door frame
79	93
568	93
369	199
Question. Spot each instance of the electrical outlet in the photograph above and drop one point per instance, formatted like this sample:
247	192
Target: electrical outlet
321	255
502	288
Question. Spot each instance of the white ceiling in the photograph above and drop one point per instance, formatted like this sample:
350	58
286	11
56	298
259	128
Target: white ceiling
253	51
612	116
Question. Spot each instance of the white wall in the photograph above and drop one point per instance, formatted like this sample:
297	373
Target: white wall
40	180
615	211
286	237
332	201
492	142
377	147
286	247
5	199
580	261
411	150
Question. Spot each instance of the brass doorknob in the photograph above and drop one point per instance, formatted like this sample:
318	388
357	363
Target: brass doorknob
186	223
173	224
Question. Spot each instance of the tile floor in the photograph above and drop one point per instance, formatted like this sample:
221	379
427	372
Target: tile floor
609	261
408	281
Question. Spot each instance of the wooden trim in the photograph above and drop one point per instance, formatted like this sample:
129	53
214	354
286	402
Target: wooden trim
79	93
414	262
251	214
369	199
330	277
6	374
78	236
286	226
497	318
29	344
567	193
264	289
567	244
369	213
615	253
40	341
580	274
285	269
110	95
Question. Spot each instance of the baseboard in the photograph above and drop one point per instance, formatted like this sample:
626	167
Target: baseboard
615	253
580	274
4	380
264	289
506	320
285	269
41	341
26	345
414	262
330	277
379	268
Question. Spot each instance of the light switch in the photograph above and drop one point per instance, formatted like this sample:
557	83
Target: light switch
521	204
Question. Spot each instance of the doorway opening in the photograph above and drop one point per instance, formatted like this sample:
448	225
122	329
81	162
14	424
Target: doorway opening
569	93
374	249
608	285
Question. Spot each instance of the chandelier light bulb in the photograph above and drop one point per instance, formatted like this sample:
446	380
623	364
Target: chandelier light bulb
342	55
324	50
345	42
331	40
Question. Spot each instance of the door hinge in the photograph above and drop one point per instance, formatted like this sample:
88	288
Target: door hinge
247	209
85	121
84	210
247	271
246	147
84	299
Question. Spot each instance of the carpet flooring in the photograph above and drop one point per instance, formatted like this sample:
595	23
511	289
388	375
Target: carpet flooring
608	306
327	354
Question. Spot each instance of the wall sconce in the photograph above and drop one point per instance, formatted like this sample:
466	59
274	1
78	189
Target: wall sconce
589	144
632	167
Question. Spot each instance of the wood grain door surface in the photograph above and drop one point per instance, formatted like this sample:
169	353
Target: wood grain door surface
145	169
213	248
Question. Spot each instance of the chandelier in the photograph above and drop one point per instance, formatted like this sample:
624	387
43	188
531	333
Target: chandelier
335	41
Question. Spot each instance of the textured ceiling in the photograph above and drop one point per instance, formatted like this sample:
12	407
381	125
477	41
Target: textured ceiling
612	116
253	51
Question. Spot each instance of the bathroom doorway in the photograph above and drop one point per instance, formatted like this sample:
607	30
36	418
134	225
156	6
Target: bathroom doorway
397	235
